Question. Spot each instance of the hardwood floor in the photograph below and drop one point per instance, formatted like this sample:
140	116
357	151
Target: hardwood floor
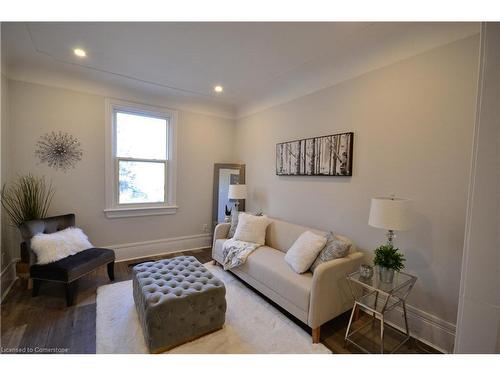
44	324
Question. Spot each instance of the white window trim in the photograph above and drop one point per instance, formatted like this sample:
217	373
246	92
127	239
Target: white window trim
113	208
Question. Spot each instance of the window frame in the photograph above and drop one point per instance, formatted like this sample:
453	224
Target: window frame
113	207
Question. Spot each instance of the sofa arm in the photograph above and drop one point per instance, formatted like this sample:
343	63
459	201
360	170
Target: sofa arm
330	293
221	231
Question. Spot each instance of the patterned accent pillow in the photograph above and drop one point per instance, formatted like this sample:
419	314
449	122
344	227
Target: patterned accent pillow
234	222
334	249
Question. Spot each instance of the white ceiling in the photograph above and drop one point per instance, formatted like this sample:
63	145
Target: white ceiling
259	64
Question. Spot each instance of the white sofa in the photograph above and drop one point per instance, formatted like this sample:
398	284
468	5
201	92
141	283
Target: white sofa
312	298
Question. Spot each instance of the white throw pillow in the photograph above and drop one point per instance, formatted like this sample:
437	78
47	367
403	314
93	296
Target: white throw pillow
304	251
58	245
251	228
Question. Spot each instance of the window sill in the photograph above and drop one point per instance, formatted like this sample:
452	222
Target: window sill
113	213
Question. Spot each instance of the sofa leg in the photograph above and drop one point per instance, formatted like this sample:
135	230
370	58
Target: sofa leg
71	292
111	271
36	287
316	332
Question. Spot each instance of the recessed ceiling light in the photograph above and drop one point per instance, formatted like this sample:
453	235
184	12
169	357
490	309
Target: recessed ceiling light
218	89
80	52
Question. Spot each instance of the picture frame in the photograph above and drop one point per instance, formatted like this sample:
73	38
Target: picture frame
328	155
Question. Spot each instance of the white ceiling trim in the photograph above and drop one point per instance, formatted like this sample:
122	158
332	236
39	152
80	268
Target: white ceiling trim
47	77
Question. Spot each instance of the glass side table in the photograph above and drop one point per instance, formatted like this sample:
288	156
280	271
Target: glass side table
377	298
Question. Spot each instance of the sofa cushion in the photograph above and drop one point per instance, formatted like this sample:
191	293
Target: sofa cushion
334	248
251	228
74	266
269	267
234	224
352	246
234	221
304	251
281	235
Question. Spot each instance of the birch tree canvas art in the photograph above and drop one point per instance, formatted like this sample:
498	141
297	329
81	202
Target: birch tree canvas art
329	155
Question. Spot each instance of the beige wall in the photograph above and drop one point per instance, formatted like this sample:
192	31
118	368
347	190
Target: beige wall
478	328
413	125
202	141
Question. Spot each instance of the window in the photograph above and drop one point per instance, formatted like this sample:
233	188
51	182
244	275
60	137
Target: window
140	167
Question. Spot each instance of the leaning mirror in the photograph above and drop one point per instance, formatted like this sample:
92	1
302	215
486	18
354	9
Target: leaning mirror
225	175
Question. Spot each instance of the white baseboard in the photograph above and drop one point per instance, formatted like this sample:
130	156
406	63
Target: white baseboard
129	251
8	276
431	330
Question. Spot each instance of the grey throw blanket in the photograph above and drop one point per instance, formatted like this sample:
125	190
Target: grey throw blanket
236	253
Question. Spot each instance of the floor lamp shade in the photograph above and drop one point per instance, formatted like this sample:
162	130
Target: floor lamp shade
237	192
390	213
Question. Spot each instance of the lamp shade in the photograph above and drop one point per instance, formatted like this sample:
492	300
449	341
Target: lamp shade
390	213
237	192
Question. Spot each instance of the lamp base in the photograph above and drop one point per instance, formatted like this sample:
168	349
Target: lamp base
236	209
390	237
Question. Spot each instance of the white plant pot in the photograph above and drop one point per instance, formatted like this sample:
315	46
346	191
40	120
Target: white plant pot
386	274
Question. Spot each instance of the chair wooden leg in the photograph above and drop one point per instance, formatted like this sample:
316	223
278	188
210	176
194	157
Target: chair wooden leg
36	287
71	292
111	271
316	333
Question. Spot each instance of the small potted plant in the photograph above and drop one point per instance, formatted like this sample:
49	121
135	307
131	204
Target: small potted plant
388	259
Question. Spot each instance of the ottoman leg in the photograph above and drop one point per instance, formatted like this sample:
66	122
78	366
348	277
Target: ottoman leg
111	271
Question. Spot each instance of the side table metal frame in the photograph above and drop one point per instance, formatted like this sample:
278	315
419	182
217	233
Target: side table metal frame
388	301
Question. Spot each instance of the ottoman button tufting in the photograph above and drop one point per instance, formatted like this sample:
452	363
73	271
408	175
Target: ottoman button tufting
178	291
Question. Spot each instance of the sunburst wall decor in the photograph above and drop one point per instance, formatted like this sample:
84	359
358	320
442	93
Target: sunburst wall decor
59	150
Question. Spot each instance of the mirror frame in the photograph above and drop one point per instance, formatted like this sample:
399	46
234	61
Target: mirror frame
215	200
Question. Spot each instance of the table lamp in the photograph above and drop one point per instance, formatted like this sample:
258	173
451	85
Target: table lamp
390	213
237	192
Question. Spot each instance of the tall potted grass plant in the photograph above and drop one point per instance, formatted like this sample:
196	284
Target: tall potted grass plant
27	198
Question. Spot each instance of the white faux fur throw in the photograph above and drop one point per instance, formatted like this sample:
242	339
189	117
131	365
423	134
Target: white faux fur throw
58	245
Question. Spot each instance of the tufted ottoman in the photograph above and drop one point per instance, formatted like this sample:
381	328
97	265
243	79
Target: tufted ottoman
177	300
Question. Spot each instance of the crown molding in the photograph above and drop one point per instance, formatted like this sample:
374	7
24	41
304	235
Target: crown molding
116	88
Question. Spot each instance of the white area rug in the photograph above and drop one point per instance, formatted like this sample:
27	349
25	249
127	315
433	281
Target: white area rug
252	325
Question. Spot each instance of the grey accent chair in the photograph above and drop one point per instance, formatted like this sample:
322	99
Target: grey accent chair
67	270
